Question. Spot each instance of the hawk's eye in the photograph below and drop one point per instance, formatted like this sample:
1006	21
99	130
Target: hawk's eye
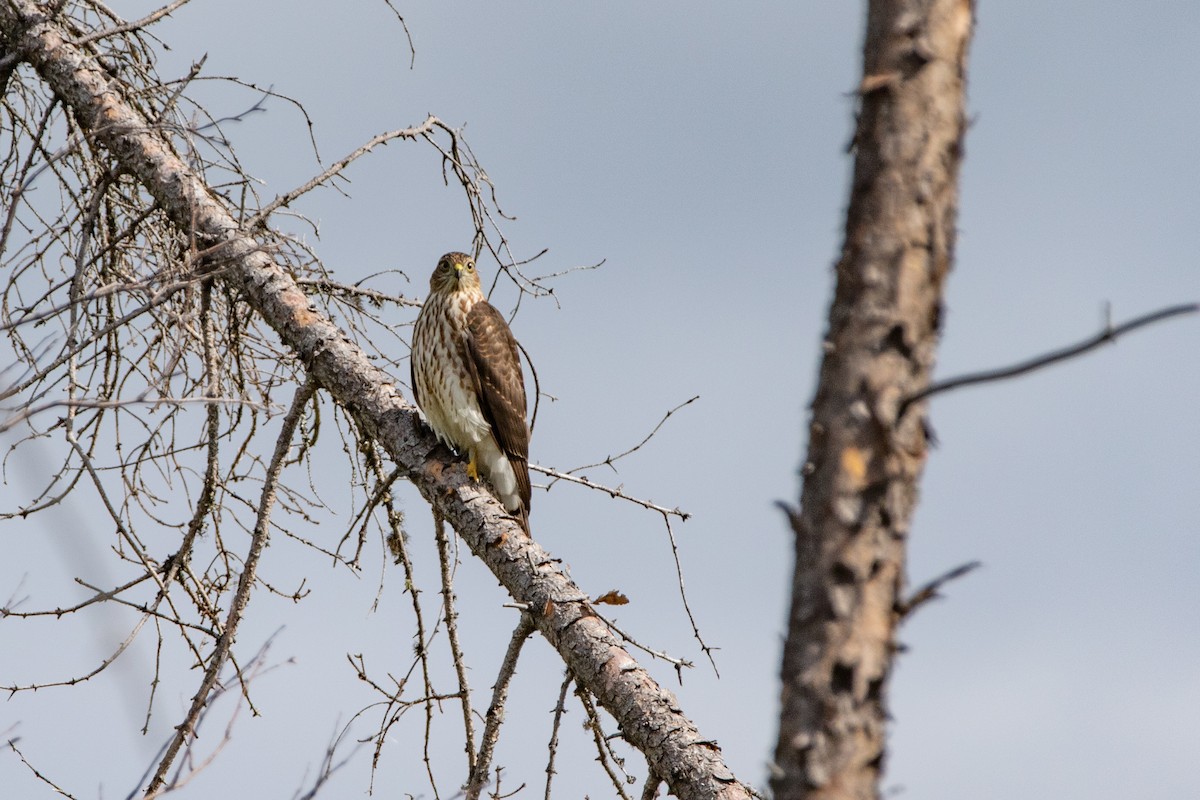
470	266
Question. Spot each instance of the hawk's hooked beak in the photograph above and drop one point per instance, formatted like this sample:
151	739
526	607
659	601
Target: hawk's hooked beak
456	277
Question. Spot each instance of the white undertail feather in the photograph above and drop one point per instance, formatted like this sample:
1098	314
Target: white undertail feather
494	464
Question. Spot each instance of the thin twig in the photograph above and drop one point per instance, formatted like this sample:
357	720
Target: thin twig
398	547
495	712
254	669
158	298
108	661
12	745
32	411
204	503
412	50
149	19
97	293
123	530
559	709
328	766
708	651
678	663
611	492
604	751
354	290
608	462
451	616
179	561
537	388
567	271
334	169
157	615
1108	334
101	596
930	591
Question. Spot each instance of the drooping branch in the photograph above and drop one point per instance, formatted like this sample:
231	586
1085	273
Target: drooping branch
648	715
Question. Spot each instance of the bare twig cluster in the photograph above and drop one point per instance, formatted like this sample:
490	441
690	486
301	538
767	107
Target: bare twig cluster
146	370
118	328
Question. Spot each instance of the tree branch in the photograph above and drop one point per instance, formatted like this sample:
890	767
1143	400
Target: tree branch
1108	334
649	715
450	614
931	590
337	167
495	712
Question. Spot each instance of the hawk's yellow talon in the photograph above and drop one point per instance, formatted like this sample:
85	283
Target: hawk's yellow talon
473	469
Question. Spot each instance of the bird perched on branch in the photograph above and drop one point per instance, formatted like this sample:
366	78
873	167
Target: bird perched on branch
466	375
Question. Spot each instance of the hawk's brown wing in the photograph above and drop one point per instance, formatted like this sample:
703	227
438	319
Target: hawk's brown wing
497	364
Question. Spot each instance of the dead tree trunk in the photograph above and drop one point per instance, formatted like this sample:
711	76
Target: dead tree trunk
866	448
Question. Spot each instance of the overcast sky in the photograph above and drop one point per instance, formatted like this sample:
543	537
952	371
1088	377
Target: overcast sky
699	150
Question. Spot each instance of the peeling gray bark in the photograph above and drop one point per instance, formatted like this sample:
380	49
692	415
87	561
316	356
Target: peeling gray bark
649	715
866	451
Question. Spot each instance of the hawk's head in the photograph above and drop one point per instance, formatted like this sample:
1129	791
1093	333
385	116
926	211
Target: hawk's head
455	272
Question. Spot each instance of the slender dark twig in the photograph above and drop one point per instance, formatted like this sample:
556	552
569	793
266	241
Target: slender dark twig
328	765
12	745
537	388
930	590
1109	334
704	646
136	25
611	492
411	47
608	461
678	663
338	166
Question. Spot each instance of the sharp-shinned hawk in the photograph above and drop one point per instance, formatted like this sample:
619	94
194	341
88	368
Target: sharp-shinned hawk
466	375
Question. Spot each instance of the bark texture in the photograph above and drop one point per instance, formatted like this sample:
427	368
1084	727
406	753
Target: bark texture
649	715
864	456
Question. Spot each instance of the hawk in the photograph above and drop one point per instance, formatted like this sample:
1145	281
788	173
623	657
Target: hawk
466	376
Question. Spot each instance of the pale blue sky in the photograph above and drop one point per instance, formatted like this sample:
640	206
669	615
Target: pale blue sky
699	149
